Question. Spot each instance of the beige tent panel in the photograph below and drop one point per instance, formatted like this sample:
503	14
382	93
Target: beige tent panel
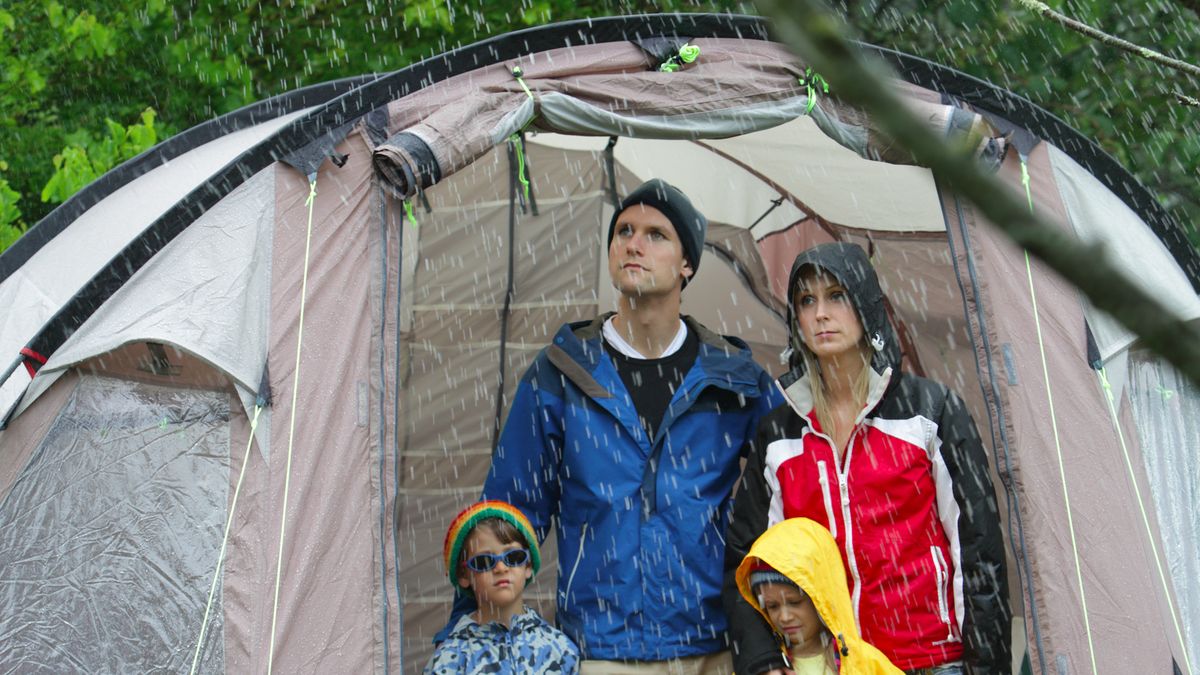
1068	459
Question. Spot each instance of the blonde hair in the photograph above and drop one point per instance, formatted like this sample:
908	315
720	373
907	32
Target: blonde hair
861	385
816	381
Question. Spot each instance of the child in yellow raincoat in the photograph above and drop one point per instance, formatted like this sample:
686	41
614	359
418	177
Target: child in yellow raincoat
794	576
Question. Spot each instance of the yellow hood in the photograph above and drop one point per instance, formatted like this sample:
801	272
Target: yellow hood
806	553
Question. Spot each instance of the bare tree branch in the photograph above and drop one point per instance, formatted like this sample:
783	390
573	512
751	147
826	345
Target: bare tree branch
814	34
1187	100
1110	40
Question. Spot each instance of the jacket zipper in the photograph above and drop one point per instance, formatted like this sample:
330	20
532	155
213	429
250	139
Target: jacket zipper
823	479
942	572
843	474
575	568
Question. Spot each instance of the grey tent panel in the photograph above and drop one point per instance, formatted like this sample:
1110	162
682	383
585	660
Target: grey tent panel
109	536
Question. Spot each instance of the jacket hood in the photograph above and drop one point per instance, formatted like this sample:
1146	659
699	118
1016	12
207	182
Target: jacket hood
805	552
849	264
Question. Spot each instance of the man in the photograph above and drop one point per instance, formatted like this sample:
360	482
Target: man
626	430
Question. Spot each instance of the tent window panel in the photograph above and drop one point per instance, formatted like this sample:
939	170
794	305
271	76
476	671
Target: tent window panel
1166	408
109	537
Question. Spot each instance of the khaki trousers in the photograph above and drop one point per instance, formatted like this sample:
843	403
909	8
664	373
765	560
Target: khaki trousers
720	663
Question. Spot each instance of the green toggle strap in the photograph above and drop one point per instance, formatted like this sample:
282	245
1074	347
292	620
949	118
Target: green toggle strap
519	148
814	85
408	213
520	75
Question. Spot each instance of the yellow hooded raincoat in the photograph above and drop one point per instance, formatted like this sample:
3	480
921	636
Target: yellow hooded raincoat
806	553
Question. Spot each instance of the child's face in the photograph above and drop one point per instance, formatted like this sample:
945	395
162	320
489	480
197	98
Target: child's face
792	613
500	587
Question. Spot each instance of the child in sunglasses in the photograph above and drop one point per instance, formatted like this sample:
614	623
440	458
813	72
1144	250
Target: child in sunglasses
490	553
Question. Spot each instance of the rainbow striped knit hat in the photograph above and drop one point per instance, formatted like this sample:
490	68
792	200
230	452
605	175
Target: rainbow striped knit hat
468	518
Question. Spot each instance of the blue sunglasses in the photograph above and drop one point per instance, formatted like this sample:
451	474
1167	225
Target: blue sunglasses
484	562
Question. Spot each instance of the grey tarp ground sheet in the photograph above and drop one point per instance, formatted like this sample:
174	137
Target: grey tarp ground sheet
371	328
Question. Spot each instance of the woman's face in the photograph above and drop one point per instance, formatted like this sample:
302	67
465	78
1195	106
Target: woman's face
828	321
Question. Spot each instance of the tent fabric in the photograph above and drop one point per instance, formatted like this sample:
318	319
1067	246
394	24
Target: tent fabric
329	587
207	292
33	292
1163	402
737	88
416	328
137	518
1098	217
368	97
1081	570
741	178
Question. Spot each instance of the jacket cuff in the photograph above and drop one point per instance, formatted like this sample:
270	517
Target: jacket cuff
765	663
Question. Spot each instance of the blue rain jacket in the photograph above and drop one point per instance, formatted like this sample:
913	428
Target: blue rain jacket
640	521
529	647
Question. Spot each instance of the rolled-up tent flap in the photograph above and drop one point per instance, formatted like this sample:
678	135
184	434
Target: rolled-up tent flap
406	162
612	89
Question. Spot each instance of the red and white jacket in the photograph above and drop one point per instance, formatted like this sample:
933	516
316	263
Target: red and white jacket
912	509
910	504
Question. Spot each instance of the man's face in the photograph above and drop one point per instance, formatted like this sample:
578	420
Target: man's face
645	256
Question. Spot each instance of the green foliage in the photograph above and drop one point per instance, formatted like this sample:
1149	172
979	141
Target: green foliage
10	213
88	157
67	68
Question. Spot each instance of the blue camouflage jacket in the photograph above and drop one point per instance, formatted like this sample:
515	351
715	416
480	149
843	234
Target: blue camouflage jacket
530	646
639	521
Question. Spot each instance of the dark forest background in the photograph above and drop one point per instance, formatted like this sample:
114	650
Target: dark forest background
87	85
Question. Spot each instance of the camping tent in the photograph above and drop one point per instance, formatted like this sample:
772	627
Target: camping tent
256	370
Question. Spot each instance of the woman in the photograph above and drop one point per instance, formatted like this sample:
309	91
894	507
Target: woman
893	466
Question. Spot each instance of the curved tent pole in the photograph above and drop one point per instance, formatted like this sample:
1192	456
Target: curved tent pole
55	222
363	99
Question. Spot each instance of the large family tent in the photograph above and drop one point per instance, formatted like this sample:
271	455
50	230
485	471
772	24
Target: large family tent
250	375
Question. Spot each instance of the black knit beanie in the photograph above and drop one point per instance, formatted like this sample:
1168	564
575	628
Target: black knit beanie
690	225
